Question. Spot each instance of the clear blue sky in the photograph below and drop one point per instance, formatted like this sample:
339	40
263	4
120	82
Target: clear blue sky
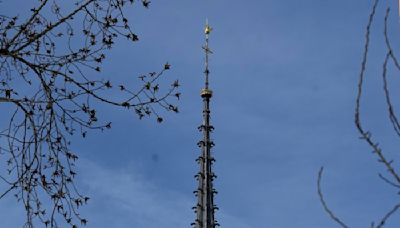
284	76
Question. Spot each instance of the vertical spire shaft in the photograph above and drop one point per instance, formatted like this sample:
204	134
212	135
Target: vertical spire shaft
205	192
207	31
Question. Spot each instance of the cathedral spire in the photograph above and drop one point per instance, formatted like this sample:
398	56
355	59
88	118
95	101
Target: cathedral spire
205	192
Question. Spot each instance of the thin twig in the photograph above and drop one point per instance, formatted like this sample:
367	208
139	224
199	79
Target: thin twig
324	204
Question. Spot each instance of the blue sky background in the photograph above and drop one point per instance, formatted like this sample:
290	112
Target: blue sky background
284	76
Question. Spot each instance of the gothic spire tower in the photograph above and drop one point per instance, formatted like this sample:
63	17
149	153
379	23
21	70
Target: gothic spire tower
205	192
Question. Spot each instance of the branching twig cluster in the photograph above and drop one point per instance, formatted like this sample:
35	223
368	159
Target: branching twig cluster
46	62
393	178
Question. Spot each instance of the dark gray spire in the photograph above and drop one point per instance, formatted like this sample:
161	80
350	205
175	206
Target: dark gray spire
205	192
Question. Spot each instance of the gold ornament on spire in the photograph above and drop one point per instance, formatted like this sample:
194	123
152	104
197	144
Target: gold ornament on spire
208	29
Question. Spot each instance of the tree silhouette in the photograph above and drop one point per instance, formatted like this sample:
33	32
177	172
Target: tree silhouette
47	85
392	177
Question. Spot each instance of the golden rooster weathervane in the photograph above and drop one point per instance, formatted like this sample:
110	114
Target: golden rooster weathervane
208	29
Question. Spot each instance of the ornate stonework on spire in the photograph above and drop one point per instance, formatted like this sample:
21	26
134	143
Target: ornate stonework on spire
205	192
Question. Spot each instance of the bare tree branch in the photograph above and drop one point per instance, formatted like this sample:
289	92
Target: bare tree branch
47	61
366	135
387	216
324	204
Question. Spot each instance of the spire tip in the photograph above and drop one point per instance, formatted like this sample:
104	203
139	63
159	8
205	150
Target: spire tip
207	29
